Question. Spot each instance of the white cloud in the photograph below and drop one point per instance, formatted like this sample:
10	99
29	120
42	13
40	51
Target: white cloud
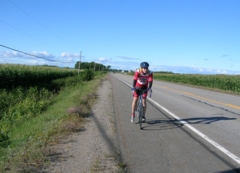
14	54
69	55
11	54
222	71
39	58
104	60
127	58
43	54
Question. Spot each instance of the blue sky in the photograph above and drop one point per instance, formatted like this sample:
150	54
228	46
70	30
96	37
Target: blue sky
187	36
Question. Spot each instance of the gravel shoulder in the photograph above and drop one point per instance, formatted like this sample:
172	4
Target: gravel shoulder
95	149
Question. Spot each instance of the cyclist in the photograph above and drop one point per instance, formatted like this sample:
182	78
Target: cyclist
143	79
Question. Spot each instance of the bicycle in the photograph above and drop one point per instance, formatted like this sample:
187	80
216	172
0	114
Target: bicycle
140	108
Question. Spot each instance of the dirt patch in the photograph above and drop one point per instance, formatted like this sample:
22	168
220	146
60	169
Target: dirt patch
95	147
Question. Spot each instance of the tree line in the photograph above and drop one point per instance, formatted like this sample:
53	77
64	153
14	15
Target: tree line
96	67
92	66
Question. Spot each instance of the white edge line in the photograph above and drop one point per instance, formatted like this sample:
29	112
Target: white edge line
215	144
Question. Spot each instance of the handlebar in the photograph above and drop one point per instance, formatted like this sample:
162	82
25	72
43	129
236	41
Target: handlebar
141	91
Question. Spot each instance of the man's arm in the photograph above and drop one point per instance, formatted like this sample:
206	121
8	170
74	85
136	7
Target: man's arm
134	83
150	85
150	81
135	78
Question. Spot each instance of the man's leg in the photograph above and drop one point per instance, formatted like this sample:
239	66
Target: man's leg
144	104
134	103
145	108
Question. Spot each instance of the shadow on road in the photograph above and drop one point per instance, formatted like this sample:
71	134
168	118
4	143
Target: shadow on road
237	170
161	124
174	123
170	123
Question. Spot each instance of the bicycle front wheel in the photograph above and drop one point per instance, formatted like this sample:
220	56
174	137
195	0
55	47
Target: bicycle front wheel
140	117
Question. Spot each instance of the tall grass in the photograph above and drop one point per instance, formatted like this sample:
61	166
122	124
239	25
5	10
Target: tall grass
33	116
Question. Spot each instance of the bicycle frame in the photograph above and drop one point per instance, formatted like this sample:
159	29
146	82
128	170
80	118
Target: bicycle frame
140	108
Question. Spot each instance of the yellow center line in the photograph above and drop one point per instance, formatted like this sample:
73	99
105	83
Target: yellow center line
193	95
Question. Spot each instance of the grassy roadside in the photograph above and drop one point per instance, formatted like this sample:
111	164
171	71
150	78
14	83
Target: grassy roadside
27	149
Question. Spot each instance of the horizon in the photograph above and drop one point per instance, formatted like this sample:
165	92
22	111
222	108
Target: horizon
123	70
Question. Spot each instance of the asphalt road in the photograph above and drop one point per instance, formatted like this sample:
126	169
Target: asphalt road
188	129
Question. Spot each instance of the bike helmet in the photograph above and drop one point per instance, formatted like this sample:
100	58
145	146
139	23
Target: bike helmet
144	65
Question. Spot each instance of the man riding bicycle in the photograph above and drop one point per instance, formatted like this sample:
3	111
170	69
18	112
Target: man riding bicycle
142	80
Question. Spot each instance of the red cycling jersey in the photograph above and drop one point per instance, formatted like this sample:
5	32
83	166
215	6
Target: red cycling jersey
142	79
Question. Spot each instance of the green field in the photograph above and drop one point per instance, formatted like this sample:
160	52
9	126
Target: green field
22	75
230	83
36	105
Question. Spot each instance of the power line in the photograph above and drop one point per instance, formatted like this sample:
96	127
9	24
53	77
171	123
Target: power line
27	34
33	55
36	21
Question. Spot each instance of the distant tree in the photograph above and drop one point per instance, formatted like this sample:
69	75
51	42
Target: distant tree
91	66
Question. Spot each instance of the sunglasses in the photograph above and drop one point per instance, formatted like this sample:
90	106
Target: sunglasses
145	68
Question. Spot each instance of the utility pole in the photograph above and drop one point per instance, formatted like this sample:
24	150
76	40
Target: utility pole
79	62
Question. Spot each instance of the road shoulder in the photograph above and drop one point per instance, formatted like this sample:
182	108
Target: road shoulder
95	149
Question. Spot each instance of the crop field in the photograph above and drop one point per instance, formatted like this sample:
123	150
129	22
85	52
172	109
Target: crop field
21	75
26	91
223	82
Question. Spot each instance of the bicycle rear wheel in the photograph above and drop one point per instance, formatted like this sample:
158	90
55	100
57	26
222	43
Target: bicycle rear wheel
140	117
